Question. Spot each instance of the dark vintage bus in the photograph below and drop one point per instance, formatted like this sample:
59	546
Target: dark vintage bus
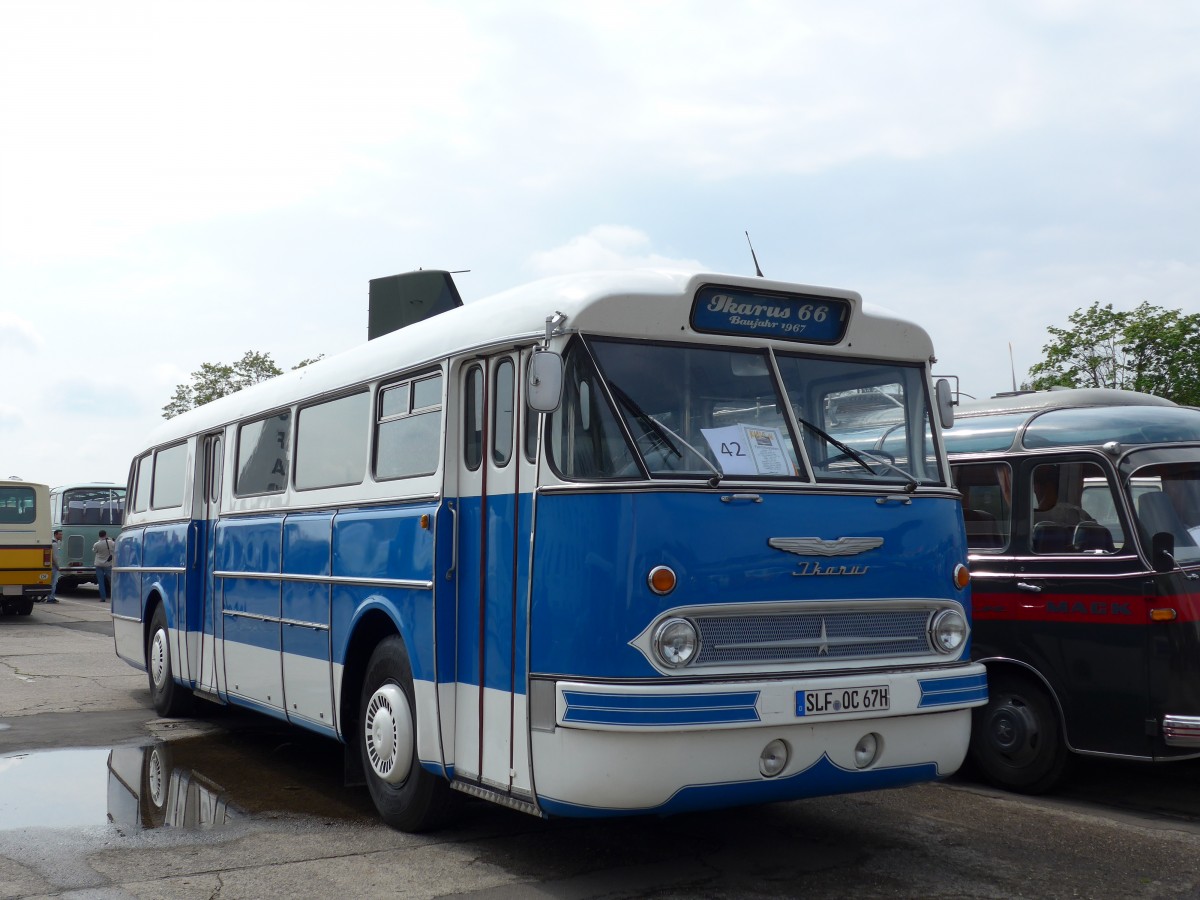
1082	513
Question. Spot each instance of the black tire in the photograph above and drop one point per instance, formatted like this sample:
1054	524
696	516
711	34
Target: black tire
1016	739
25	607
407	797
171	700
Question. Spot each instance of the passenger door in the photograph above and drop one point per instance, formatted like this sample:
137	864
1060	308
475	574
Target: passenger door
201	562
1082	604
492	552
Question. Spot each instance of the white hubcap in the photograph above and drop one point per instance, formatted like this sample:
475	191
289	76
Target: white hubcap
388	733
159	658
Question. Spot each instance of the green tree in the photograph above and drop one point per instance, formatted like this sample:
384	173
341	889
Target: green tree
214	380
1147	349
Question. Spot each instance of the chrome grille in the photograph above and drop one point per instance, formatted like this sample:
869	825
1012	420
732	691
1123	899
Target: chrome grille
815	635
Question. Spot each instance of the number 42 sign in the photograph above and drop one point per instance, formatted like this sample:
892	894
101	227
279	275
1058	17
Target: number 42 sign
748	450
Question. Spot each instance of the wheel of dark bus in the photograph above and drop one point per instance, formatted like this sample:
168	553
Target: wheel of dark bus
1016	739
408	797
170	699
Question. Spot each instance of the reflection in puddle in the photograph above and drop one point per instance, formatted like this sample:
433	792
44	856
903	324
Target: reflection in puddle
146	791
132	787
195	783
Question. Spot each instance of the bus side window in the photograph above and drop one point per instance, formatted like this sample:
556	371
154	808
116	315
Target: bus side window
473	418
141	497
408	429
502	413
987	504
1074	510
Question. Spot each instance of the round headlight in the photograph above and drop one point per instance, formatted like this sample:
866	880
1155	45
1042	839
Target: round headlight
675	642
948	631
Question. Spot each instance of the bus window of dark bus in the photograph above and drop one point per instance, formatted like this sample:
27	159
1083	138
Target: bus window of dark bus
1166	499
986	490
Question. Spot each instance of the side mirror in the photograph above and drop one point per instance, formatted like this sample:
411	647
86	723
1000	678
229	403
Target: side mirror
1162	551
543	381
945	402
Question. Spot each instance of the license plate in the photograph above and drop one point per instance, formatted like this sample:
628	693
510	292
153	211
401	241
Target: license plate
842	700
12	589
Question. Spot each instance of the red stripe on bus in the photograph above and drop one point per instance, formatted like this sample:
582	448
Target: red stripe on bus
1112	609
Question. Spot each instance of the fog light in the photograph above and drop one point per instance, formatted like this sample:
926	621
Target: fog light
773	759
866	751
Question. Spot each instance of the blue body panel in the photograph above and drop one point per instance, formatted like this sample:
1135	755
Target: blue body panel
593	554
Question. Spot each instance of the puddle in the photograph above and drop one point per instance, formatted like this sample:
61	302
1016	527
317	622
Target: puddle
194	784
131	787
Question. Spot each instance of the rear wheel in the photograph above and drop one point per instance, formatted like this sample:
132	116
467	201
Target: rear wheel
407	797
1016	739
25	607
170	699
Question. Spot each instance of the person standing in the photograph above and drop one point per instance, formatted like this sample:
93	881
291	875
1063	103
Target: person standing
52	597
103	550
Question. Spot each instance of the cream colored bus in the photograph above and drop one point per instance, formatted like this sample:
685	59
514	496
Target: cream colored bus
25	542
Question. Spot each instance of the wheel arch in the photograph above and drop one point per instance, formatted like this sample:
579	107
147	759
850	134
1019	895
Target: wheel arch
1023	669
154	599
372	627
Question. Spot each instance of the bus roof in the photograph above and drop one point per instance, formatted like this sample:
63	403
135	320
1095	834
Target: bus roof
1082	417
637	303
59	488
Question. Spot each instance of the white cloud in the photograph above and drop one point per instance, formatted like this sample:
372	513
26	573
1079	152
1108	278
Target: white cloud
605	247
19	335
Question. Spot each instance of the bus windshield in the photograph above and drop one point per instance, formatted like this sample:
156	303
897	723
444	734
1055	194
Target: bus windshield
714	412
1166	497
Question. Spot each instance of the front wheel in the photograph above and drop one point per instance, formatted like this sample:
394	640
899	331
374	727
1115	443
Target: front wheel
407	797
170	699
1016	739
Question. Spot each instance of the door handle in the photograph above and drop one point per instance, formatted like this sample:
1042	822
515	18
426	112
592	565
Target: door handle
1032	588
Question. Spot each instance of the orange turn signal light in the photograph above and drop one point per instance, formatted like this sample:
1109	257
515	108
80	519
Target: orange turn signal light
1163	614
661	580
962	576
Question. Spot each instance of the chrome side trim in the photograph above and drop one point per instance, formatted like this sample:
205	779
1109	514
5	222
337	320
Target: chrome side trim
329	579
1181	731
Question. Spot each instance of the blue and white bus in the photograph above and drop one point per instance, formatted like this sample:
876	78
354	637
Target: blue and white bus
588	547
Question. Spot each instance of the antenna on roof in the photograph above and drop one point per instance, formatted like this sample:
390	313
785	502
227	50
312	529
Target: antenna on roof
1013	366
757	270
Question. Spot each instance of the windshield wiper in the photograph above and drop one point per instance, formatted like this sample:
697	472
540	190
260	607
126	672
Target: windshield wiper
662	431
861	456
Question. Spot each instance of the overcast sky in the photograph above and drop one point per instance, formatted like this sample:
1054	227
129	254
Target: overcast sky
183	182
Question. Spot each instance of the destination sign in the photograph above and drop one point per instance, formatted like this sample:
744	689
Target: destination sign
788	317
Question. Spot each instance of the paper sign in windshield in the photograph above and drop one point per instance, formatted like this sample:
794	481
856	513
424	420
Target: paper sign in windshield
748	450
